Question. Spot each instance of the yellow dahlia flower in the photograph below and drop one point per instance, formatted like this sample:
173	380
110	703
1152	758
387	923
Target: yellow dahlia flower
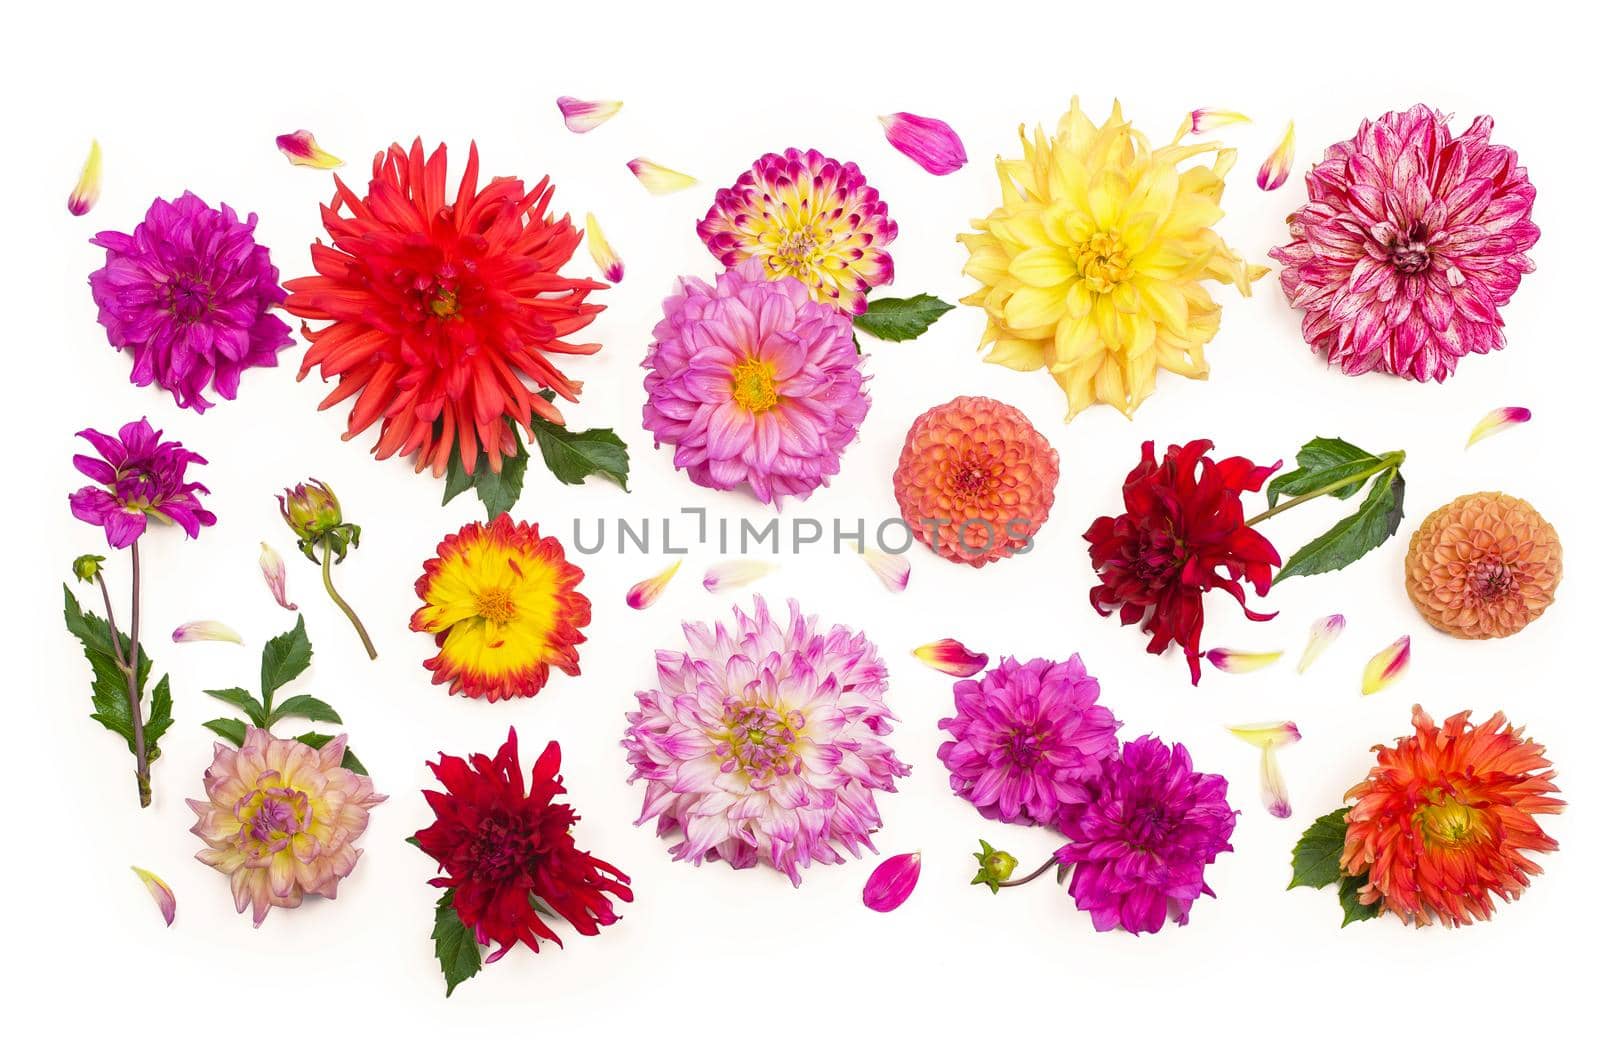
1094	265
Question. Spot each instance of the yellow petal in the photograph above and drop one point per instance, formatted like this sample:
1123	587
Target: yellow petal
160	892
605	259
1276	169
1387	666
1499	420
658	179
1267	735
1323	634
1205	119
1236	662
733	573
892	569
86	193
644	593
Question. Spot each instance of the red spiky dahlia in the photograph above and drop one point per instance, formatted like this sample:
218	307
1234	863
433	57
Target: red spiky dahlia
1444	821
443	311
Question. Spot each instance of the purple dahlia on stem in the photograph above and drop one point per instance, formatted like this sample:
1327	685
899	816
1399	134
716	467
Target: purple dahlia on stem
190	293
139	476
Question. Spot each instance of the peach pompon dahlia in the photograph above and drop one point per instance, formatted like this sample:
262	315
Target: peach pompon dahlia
281	819
1095	263
1445	820
975	480
1484	566
503	606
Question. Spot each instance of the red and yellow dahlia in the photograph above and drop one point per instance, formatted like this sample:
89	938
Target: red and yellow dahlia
503	606
444	312
1444	822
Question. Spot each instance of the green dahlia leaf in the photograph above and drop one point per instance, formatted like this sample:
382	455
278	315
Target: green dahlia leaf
575	456
1349	898
243	700
109	690
283	659
1321	462
453	944
305	706
1317	854
229	730
499	491
897	320
1358	534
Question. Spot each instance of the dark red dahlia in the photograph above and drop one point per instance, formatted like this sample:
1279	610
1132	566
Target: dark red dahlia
1183	534
502	847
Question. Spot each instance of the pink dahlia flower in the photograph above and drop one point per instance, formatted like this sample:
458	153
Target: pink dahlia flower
803	215
1027	739
190	294
281	819
765	743
1412	240
752	382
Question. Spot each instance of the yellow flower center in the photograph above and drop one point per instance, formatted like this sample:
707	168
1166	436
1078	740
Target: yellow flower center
753	386
1103	262
495	604
1448	822
444	303
796	248
758	741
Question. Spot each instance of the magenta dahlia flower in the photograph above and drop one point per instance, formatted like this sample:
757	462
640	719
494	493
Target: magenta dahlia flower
765	743
754	383
1140	846
803	215
1028	739
190	293
140	476
1411	241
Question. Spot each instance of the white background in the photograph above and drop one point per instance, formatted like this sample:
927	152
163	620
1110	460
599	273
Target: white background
708	960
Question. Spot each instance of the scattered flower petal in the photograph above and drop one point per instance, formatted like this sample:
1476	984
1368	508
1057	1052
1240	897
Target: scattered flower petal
928	142
735	573
302	149
892	569
890	885
605	259
951	657
643	593
1387	666
1274	794
1276	169
86	193
584	115
1498	421
1267	735
1324	633
658	179
206	631
276	576
1236	662
160	892
1205	119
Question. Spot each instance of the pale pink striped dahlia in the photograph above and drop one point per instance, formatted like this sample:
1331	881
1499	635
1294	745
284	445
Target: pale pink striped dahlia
1411	241
765	743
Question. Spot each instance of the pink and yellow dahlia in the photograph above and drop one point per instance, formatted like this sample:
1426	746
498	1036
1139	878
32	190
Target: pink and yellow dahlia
281	819
804	215
1095	263
765	743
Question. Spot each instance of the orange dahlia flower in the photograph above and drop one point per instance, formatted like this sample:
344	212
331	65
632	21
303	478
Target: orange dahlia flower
1484	566
975	480
444	311
502	605
1444	822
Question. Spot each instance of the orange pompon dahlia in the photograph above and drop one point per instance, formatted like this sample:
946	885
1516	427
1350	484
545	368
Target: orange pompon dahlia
1444	822
975	480
1484	566
443	312
502	605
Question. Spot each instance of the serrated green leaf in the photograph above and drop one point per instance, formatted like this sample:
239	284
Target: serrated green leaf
575	456
160	720
348	761
454	944
1317	853
109	690
897	320
1369	527
305	706
283	659
1320	462
456	478
243	700
230	730
1350	900
499	491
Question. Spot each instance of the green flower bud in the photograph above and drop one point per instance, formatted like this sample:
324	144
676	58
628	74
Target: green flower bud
87	567
994	866
312	512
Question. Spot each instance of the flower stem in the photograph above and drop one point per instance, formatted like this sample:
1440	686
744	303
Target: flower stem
1052	861
130	669
1390	460
350	613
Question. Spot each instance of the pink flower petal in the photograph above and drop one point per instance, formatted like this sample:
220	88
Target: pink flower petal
206	631
1324	633
658	179
160	892
86	193
584	115
1498	421
644	593
735	573
928	142
1387	666
273	572
892	882
1237	662
951	657
1274	794
302	149
1205	119
605	259
892	569
1276	169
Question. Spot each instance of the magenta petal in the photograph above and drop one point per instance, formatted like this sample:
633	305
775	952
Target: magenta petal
892	882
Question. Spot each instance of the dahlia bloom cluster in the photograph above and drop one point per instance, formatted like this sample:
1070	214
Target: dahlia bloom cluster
1183	534
140	476
804	215
1484	566
753	383
505	848
190	293
281	819
765	743
443	311
1411	240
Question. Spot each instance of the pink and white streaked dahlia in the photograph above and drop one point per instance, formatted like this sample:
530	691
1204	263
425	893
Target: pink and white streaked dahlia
281	819
765	743
803	215
1411	241
752	382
